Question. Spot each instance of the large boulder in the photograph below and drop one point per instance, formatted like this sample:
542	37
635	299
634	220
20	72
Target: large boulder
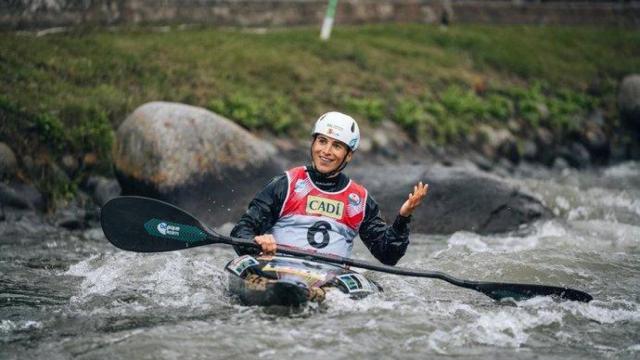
458	199
193	158
576	155
496	143
595	139
629	101
21	196
102	189
8	163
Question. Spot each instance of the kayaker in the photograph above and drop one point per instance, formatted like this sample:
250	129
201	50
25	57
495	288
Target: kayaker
317	207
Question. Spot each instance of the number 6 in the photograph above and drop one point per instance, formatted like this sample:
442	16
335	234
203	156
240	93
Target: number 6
322	227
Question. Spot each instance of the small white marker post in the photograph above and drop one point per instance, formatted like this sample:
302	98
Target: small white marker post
327	24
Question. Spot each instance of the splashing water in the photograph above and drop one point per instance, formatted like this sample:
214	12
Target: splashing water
70	294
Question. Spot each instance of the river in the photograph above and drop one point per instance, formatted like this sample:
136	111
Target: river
70	294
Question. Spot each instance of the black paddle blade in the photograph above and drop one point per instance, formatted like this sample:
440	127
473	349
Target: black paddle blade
142	224
517	292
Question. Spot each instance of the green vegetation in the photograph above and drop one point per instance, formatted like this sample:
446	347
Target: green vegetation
66	93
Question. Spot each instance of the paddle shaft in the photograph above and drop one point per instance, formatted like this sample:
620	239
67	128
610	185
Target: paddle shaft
337	259
495	290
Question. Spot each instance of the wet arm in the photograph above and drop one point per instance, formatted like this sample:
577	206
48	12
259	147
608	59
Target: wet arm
387	243
262	213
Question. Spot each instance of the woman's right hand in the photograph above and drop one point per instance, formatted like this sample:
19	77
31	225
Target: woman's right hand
267	244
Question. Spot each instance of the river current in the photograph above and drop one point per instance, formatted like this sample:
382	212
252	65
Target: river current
70	294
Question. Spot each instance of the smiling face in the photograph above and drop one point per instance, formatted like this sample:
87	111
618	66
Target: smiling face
327	153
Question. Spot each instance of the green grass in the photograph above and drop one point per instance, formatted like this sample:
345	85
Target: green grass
65	93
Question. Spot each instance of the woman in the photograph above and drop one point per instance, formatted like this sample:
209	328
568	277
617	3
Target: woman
317	207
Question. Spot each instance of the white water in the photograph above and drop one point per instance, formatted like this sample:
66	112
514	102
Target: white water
72	295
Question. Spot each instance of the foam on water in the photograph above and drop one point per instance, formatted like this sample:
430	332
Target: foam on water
341	303
449	326
571	238
612	194
513	327
500	328
538	236
628	169
555	252
606	312
138	281
616	207
9	326
168	305
606	234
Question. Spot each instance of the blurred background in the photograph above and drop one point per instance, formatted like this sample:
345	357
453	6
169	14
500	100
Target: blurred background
523	116
511	81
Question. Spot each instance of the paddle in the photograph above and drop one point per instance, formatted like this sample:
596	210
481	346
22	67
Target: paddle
148	225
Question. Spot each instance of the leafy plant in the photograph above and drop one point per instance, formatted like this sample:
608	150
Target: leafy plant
90	129
531	103
499	107
372	109
275	113
245	109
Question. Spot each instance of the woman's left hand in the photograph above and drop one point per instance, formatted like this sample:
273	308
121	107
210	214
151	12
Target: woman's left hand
415	199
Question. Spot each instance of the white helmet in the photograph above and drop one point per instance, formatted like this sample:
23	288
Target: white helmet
339	126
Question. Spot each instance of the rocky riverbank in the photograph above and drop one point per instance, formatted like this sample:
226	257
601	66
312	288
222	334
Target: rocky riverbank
212	167
206	164
419	92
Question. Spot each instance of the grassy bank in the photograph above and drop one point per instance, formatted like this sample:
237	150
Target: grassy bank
64	93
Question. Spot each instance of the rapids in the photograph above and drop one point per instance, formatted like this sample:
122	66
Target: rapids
70	294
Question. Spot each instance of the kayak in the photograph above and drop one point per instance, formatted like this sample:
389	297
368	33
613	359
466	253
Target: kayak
290	281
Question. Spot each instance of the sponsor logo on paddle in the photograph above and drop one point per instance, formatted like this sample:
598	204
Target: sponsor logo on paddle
166	229
320	206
